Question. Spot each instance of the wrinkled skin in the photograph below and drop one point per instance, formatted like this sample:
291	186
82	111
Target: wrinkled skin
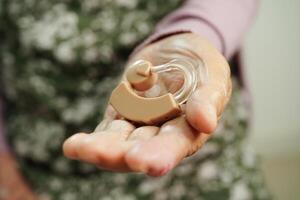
118	145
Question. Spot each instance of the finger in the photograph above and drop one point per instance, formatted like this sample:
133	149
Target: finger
70	145
158	155
206	104
209	100
102	125
121	129
143	133
109	115
105	149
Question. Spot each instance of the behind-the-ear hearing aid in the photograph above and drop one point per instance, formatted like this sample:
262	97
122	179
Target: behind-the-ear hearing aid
142	77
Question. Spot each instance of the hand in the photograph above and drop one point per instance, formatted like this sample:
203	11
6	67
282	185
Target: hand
118	145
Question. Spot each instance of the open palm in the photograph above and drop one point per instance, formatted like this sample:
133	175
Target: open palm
119	145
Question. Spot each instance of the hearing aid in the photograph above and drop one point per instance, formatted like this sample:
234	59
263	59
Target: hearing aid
141	76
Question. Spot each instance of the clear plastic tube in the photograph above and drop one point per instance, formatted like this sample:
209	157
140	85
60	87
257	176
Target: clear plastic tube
190	74
193	71
185	61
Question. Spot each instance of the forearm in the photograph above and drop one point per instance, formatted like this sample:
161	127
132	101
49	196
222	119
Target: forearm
3	143
223	23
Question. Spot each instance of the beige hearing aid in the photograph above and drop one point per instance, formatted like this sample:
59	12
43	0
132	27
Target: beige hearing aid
142	76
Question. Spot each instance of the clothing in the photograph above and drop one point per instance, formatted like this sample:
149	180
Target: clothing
223	23
60	63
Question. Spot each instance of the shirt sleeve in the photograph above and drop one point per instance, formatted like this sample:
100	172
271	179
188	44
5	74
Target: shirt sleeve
223	23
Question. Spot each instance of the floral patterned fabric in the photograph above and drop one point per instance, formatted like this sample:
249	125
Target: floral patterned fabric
59	62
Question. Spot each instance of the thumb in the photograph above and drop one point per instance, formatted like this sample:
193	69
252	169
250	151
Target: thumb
206	105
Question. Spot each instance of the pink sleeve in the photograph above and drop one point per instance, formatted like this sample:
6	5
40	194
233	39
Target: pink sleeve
223	22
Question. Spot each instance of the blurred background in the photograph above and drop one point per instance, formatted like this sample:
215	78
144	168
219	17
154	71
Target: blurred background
272	51
273	65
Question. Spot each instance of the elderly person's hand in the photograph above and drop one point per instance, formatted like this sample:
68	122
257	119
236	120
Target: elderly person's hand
118	145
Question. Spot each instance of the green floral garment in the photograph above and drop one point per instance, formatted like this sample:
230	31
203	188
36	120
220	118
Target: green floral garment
59	62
